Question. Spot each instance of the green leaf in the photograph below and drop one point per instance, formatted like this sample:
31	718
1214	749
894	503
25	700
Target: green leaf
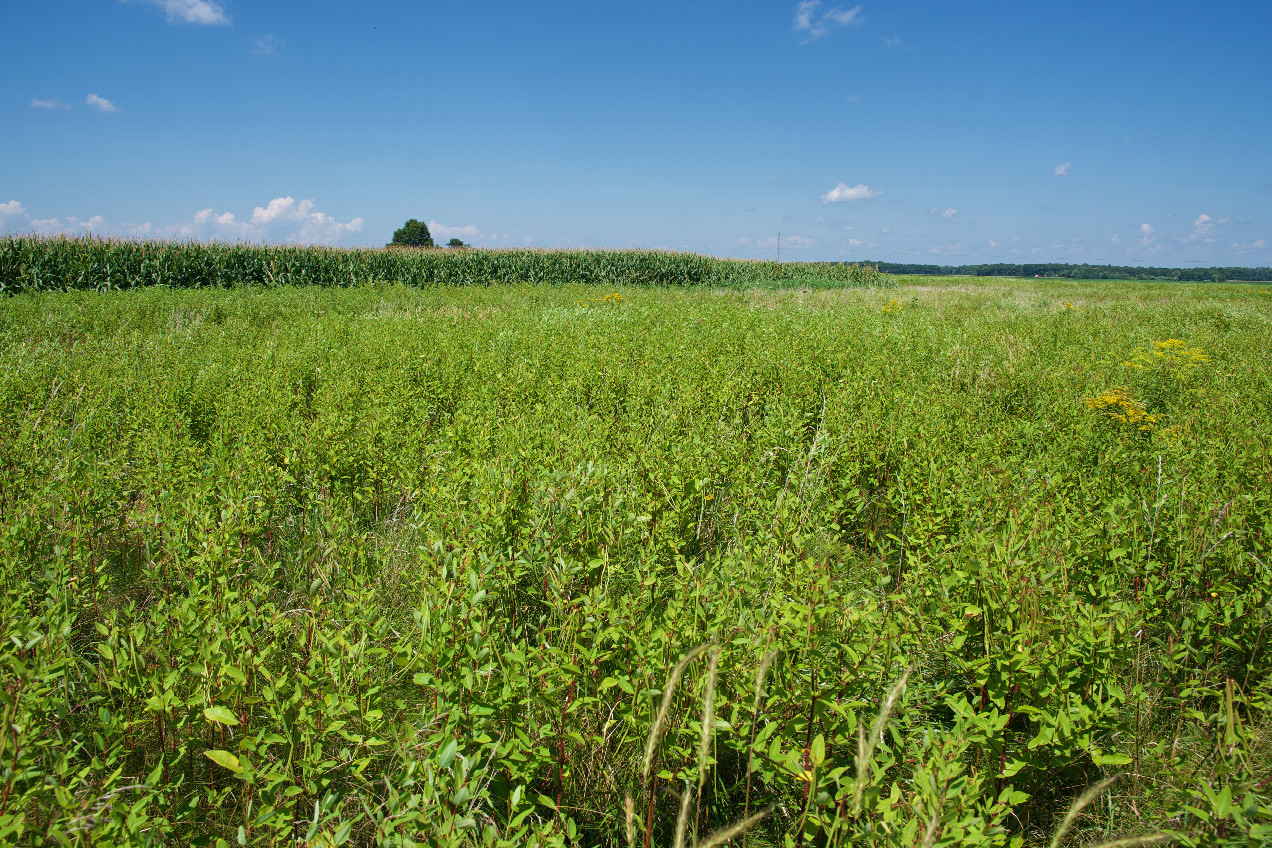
818	753
224	759
220	715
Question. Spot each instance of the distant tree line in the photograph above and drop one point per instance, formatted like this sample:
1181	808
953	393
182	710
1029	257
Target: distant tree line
1081	272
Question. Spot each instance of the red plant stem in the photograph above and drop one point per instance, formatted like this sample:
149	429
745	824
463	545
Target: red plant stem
808	742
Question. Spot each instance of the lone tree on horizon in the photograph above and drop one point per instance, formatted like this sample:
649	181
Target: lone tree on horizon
412	234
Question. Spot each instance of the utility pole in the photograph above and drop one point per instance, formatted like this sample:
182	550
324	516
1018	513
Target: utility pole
779	248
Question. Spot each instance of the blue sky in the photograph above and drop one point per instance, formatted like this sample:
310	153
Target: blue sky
942	132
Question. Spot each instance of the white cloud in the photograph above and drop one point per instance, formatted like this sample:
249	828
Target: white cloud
949	213
1148	241
1203	229
101	104
206	12
894	41
298	222
994	244
12	209
1258	244
441	231
282	220
807	20
92	225
1061	170
223	226
37	103
1116	239
14	218
798	243
842	17
842	192
852	242
265	45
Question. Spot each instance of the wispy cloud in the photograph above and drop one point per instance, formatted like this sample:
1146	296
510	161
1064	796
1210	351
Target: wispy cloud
224	225
808	20
1061	170
101	104
441	231
946	213
282	220
265	45
1257	244
1203	229
14	218
843	192
203	12
894	41
1148	240
37	103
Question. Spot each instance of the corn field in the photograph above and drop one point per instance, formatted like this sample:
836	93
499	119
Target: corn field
66	264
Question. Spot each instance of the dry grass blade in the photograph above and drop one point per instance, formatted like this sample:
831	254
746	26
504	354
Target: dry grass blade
865	749
760	674
734	830
708	727
1078	806
682	820
655	732
629	820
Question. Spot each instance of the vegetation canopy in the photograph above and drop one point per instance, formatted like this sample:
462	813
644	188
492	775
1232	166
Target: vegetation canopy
412	234
571	564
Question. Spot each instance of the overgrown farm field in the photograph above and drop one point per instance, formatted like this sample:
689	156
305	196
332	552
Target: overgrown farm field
535	564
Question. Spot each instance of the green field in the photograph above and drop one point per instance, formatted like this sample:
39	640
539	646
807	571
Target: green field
396	565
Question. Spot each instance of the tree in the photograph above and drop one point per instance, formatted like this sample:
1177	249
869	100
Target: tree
412	234
456	243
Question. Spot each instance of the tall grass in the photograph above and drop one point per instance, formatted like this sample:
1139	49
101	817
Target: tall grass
63	264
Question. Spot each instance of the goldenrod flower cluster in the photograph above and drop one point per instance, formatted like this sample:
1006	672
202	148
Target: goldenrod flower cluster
1175	356
613	297
1119	405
